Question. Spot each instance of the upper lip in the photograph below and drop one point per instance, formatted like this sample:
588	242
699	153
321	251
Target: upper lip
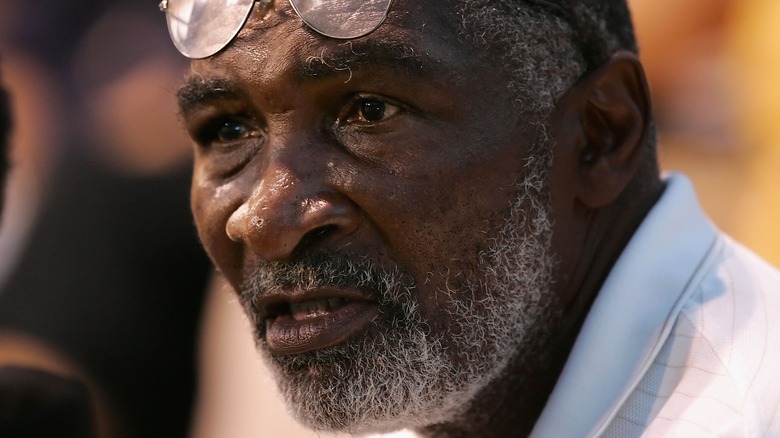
277	302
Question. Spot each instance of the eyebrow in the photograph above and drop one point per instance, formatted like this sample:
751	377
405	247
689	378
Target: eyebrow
198	91
341	63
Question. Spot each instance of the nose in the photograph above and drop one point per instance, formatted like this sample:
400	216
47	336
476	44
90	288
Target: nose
287	213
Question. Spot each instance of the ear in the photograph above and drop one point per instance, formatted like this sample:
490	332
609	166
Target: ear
601	125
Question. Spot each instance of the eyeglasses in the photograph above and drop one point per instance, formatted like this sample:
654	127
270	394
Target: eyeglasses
201	28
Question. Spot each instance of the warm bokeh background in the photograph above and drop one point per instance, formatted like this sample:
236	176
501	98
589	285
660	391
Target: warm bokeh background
101	272
714	69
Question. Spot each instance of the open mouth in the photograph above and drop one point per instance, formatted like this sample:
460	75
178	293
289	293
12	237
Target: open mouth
307	309
298	325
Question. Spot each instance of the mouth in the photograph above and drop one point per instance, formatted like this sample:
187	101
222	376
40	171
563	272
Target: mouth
315	319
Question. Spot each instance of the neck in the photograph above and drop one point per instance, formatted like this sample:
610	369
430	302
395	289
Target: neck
602	240
510	406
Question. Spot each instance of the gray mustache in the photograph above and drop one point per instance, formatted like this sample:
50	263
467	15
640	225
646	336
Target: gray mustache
323	269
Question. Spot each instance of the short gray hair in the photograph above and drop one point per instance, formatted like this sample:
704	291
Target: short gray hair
547	45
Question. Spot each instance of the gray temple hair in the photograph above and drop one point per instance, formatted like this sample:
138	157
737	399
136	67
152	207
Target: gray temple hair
547	45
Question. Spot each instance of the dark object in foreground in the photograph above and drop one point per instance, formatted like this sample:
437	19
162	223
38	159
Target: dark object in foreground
37	403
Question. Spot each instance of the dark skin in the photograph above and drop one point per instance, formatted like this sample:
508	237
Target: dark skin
602	123
408	154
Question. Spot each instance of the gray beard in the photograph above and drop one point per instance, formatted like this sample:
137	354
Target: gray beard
400	373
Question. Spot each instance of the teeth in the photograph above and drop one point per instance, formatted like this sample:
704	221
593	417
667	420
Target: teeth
313	309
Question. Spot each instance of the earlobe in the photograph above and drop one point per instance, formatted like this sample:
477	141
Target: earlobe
611	108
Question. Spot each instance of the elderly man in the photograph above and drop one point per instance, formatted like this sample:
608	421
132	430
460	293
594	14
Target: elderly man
447	217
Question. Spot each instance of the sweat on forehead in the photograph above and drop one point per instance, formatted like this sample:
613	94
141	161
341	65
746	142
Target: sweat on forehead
326	20
544	46
287	49
337	63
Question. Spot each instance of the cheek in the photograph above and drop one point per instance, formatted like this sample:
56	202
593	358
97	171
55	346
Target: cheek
438	231
211	206
444	218
449	224
444	204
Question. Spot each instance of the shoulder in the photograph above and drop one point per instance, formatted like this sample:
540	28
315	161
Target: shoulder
721	359
735	305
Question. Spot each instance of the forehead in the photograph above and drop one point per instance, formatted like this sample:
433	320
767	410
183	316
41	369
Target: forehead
275	38
401	13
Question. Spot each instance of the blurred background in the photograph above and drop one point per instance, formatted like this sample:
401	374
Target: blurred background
101	275
714	71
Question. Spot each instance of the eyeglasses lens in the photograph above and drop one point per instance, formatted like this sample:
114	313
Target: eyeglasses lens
343	19
201	28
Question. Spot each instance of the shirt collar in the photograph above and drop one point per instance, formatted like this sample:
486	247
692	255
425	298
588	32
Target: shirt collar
631	316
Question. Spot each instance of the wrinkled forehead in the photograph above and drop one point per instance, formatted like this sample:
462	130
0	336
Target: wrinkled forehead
274	37
402	14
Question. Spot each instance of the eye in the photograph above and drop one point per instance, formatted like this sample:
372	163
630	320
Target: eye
224	131
374	109
230	130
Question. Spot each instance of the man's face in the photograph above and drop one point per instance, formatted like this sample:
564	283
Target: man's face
379	208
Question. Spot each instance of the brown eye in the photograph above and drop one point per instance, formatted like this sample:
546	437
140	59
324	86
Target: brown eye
230	130
375	110
224	131
227	130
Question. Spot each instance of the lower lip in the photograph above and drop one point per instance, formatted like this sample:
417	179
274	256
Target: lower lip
285	335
